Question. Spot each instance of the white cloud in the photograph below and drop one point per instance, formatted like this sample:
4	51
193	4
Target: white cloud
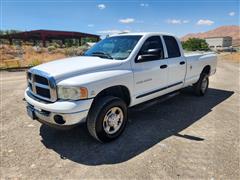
101	6
174	21
90	25
113	31
127	20
144	4
177	21
232	13
205	22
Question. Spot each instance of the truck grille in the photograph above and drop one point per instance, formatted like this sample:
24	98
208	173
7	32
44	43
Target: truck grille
41	80
41	85
43	92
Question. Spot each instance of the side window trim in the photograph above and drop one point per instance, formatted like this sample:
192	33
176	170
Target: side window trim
178	45
164	50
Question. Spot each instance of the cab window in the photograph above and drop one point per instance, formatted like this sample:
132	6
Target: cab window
152	49
172	47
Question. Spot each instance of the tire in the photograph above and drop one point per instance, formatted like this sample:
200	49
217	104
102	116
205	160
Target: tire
201	87
107	118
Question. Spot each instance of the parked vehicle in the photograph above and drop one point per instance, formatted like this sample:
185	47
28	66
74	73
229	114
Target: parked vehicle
118	72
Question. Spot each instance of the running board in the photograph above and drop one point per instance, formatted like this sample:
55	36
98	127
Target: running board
154	101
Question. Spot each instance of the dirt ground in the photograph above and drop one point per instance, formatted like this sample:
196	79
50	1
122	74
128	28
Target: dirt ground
185	137
234	57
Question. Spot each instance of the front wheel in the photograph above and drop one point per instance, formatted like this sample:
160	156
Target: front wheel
201	87
107	118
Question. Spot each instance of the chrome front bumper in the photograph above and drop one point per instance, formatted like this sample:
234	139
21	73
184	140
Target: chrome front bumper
50	117
70	112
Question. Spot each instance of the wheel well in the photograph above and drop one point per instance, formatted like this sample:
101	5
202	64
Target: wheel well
121	92
206	69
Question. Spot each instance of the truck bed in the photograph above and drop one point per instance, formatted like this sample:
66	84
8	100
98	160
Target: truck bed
198	53
196	61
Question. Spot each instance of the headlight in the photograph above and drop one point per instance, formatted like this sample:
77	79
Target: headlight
72	93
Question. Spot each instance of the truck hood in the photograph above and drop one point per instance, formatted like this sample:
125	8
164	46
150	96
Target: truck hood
68	67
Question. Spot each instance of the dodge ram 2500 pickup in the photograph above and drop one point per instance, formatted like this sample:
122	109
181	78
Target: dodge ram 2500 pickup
118	72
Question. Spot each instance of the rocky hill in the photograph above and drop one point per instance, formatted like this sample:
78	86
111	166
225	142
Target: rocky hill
233	31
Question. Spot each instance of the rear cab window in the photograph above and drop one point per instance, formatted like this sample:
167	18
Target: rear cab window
172	46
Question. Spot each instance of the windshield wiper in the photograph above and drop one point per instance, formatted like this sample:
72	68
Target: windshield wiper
102	54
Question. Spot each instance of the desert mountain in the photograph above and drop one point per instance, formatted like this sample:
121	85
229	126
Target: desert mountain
233	31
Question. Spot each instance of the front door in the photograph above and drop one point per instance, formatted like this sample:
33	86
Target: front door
150	74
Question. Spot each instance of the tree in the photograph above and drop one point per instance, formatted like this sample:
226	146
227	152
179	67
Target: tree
195	44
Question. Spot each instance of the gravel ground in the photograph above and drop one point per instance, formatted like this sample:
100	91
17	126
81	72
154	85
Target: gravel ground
185	137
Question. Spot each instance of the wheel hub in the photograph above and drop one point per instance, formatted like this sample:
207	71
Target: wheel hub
113	120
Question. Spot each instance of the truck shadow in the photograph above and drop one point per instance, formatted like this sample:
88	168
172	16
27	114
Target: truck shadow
149	124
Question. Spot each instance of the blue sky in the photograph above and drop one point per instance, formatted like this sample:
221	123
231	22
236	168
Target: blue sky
106	17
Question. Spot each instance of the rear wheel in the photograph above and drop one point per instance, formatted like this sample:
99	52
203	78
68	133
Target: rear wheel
107	118
201	87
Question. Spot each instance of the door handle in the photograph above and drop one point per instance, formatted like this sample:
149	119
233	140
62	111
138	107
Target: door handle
182	62
163	66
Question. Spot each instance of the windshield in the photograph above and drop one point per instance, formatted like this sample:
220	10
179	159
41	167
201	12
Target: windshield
118	47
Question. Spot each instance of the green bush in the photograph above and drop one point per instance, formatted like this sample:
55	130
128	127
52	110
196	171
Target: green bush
55	44
69	52
51	48
75	51
195	44
35	62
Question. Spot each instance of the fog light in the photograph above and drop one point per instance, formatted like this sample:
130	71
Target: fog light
59	119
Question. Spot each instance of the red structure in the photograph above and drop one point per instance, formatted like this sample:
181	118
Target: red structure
48	35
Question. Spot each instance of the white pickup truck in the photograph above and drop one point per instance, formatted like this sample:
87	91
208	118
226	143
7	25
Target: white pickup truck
118	72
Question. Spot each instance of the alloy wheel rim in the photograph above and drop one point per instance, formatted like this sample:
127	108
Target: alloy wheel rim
113	120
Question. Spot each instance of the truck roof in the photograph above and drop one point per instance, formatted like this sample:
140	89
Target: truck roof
142	34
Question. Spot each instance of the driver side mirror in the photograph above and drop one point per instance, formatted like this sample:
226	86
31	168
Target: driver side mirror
150	54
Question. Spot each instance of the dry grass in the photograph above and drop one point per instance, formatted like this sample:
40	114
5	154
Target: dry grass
33	58
13	56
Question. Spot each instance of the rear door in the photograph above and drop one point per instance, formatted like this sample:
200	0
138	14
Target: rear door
176	63
150	75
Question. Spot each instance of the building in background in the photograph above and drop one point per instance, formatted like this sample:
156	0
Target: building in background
45	36
219	42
